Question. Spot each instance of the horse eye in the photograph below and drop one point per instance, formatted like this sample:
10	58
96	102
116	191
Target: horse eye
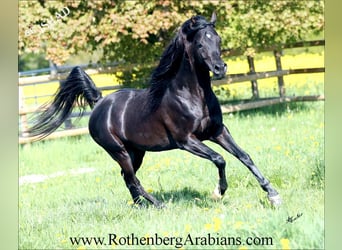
200	45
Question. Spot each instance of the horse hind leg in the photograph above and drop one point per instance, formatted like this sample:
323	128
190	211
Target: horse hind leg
128	158
136	157
130	161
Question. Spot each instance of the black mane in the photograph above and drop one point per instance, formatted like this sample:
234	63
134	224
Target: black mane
171	59
168	66
191	26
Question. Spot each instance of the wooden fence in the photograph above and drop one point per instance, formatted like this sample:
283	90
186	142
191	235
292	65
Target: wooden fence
252	76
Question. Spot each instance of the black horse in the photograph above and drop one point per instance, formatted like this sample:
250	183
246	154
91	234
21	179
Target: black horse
178	111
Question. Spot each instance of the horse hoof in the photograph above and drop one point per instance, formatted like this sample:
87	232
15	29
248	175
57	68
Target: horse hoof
275	200
160	206
216	194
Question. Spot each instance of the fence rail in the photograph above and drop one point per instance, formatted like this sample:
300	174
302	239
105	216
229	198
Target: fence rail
252	76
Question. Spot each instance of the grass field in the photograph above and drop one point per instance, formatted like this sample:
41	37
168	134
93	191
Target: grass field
70	188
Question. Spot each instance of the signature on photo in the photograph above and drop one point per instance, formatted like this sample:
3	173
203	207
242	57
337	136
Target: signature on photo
291	219
48	24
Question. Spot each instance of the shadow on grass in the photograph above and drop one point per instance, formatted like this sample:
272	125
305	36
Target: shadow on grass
186	195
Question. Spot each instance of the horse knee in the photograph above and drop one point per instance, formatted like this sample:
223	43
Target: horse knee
219	161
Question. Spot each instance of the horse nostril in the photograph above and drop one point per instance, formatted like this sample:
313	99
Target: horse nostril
219	68
216	70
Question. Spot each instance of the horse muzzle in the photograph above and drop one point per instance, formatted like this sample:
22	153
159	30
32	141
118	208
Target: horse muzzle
219	70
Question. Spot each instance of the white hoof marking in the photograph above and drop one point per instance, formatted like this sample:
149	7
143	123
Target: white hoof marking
275	200
217	194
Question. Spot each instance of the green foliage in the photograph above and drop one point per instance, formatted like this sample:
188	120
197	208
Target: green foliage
32	61
257	24
137	76
138	31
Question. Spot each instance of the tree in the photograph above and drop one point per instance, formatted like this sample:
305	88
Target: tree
257	24
138	31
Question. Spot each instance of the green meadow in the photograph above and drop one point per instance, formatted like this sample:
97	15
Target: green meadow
71	194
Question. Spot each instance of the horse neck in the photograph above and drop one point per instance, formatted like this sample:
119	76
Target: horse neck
192	76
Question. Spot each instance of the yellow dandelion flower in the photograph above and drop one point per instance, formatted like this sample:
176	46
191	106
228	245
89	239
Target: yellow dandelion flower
248	205
238	224
187	228
217	223
218	211
130	202
243	248
285	243
98	179
167	161
208	226
278	147
64	241
81	248
149	190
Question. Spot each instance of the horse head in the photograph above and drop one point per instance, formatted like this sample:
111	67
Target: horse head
203	44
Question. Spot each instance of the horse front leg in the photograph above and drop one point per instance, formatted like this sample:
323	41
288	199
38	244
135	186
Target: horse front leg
225	140
196	147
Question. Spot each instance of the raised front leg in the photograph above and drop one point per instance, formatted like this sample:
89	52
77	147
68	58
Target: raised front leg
225	140
195	146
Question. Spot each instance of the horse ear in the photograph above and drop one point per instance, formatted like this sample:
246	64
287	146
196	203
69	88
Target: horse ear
213	18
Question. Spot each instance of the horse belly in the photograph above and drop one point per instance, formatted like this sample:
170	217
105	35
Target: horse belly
149	136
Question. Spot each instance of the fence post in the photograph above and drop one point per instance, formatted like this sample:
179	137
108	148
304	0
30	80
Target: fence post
281	85
255	91
53	69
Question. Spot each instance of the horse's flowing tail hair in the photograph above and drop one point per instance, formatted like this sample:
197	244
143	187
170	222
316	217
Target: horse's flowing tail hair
78	89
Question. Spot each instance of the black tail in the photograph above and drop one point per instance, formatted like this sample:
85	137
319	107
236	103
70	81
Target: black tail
77	88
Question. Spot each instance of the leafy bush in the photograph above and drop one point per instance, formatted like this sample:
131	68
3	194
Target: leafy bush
138	31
